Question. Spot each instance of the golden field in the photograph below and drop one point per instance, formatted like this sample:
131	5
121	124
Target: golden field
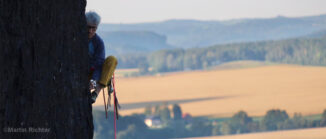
254	90
313	133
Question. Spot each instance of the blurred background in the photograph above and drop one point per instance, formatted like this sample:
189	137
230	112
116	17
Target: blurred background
215	68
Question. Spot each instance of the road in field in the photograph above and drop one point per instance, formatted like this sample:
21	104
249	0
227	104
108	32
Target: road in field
313	133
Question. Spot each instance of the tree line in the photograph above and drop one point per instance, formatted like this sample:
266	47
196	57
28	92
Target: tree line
302	51
176	126
273	120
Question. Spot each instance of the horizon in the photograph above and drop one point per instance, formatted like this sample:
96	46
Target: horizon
144	11
226	20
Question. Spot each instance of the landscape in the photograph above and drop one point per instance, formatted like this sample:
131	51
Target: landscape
248	86
223	91
254	90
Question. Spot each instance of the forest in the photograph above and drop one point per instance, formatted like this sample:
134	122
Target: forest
301	51
176	126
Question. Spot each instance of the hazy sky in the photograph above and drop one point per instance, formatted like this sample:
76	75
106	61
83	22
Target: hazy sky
135	11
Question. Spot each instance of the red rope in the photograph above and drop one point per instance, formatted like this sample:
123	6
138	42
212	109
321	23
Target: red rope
114	96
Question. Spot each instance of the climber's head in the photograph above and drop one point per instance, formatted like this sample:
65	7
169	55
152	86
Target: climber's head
93	20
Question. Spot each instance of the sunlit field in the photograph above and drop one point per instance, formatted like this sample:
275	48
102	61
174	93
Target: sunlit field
314	133
254	90
125	72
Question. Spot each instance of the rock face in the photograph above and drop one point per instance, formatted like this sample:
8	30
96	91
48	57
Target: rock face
43	70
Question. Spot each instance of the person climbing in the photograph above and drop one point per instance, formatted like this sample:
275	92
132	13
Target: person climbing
101	68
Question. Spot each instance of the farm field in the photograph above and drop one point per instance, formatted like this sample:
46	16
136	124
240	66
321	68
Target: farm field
222	93
313	133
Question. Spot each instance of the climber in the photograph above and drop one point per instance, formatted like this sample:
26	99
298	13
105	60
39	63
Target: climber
101	68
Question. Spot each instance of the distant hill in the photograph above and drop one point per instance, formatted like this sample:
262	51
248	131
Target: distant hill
122	42
193	33
316	34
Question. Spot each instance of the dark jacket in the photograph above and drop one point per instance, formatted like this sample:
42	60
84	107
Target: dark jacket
96	55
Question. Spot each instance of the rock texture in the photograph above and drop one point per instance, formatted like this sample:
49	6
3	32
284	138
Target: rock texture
43	70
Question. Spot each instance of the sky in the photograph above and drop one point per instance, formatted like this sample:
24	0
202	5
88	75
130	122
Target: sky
139	11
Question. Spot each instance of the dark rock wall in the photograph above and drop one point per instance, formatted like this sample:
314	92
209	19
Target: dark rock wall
43	70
